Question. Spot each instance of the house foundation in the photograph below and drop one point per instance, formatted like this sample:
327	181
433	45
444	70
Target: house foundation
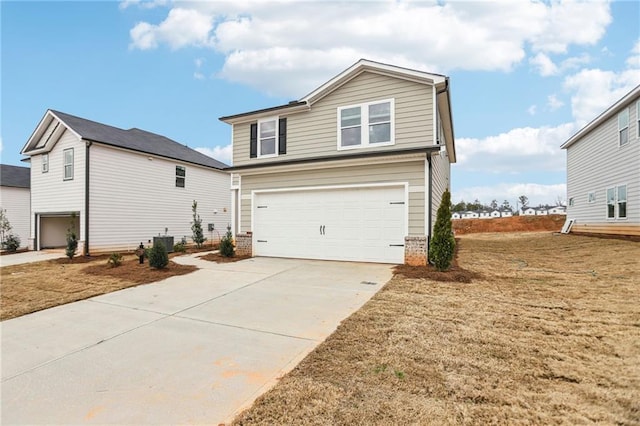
415	251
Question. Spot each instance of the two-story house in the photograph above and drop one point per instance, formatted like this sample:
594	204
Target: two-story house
118	187
15	199
355	170
603	171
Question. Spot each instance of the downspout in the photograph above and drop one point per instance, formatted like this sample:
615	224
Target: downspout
430	198
86	199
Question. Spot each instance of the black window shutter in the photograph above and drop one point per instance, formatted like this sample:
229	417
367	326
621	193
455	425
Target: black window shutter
253	146
282	136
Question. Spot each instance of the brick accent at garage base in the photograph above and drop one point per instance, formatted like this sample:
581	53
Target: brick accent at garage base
415	251
243	244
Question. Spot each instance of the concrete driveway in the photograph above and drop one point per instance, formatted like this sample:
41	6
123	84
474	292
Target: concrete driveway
193	349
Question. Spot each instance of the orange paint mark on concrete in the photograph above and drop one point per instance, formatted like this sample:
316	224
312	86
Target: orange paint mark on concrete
252	377
92	413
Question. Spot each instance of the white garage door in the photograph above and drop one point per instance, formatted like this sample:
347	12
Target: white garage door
356	224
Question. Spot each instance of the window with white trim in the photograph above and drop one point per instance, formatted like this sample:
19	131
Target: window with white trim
67	155
617	202
365	125
45	163
181	176
571	202
591	197
622	201
623	127
268	137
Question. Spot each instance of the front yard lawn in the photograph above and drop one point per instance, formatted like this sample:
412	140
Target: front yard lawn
547	332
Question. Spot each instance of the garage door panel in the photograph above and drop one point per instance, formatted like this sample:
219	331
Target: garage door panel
357	224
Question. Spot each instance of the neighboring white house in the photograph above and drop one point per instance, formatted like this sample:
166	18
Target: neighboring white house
118	187
541	211
15	199
455	215
506	213
495	213
484	214
355	170
558	210
528	211
470	215
603	171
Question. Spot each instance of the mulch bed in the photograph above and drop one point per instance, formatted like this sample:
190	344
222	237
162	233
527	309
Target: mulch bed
132	270
218	258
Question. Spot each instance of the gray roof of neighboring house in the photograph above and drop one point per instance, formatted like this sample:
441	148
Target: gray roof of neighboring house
15	176
136	140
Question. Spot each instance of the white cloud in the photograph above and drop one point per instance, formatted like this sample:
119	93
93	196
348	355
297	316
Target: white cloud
553	102
544	64
634	60
266	44
518	150
536	193
197	74
220	153
124	4
532	110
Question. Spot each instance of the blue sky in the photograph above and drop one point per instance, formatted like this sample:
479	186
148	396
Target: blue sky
524	75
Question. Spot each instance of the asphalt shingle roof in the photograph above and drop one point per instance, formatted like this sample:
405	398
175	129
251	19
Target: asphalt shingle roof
15	176
137	140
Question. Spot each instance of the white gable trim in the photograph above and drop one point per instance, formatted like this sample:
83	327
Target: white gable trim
30	147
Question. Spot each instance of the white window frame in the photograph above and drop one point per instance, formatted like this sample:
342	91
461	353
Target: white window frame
571	202
67	165
609	202
591	197
365	124
276	121
623	114
618	201
184	177
45	163
638	119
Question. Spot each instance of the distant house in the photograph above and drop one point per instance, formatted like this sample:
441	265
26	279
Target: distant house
558	210
455	215
496	213
506	213
118	187
528	211
603	170
484	214
470	215
541	211
15	199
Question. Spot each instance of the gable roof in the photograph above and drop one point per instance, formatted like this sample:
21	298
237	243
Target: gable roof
608	113
15	176
440	82
132	139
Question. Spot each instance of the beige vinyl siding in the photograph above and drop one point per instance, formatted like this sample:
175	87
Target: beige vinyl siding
597	162
410	172
133	197
440	169
17	204
50	193
314	133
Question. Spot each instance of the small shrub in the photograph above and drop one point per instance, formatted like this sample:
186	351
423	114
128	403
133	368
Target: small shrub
226	244
11	243
72	238
158	256
443	244
115	260
180	247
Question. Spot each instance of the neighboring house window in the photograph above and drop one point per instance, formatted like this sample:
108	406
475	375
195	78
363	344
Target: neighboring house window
592	197
267	137
181	174
45	163
368	124
623	127
622	202
571	202
68	163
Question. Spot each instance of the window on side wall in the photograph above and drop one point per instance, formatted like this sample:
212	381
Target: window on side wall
68	163
181	175
623	127
622	202
591	197
571	202
611	203
45	163
365	125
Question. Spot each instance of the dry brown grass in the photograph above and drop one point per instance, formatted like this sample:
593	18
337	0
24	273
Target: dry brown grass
509	224
35	286
549	335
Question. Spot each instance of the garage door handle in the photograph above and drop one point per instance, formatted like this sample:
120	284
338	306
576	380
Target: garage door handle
396	245
262	241
396	202
321	229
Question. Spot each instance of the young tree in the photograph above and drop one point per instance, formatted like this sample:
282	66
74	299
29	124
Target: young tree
460	207
494	205
506	205
524	201
5	226
196	226
72	238
442	246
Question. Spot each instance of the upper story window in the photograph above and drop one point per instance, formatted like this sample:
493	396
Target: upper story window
181	175
623	127
364	125
267	137
45	163
68	163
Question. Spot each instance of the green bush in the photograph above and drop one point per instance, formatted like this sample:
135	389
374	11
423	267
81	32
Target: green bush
180	248
443	244
158	256
11	243
72	238
226	244
115	260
